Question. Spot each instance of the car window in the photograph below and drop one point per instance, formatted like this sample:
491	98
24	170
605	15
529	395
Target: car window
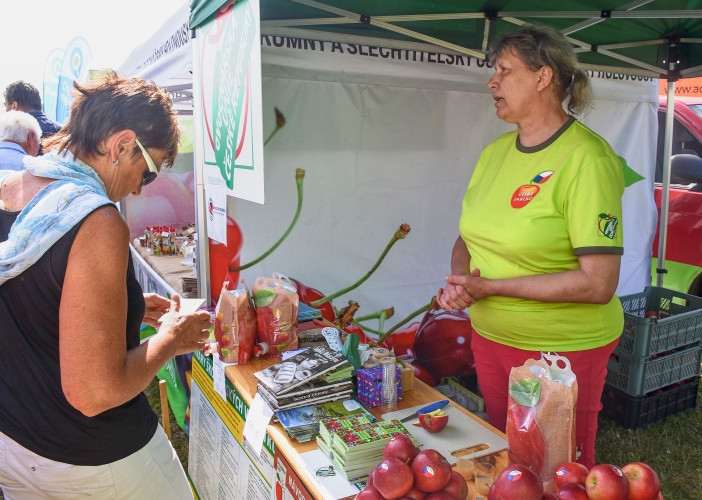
697	108
683	142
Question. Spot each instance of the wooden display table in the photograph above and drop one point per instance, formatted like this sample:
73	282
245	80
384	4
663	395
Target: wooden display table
244	385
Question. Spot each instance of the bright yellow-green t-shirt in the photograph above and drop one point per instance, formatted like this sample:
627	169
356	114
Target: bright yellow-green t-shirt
530	211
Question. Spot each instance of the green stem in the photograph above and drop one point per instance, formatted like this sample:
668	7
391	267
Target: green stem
299	177
367	329
412	315
381	321
398	235
272	134
376	315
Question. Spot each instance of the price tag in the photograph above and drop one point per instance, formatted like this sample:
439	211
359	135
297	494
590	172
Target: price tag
257	419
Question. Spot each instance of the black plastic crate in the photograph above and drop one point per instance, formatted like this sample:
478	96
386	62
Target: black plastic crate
633	412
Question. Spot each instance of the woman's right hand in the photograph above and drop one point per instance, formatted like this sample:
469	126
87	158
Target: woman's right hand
187	331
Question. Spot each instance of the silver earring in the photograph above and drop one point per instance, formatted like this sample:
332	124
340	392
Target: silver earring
115	162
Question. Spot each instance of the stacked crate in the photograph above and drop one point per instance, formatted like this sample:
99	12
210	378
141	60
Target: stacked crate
655	369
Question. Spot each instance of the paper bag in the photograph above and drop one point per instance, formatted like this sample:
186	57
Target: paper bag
541	414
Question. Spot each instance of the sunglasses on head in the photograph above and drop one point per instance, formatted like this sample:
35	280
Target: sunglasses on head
149	176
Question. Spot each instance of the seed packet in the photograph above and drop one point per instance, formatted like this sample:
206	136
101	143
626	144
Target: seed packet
276	303
235	325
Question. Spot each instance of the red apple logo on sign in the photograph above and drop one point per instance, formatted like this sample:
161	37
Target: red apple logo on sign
525	193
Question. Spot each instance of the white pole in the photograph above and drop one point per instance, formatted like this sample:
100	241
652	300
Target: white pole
203	253
665	195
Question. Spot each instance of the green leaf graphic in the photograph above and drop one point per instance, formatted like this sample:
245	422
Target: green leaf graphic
263	297
631	176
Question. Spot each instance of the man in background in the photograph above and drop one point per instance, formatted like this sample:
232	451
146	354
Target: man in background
19	136
23	96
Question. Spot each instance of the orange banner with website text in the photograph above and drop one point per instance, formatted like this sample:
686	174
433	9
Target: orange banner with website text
688	87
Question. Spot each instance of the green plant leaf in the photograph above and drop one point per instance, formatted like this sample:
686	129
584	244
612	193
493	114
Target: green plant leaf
263	297
526	392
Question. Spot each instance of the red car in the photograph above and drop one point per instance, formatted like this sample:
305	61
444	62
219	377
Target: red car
684	245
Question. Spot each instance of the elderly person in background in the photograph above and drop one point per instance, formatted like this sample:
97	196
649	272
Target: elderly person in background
23	96
537	259
74	421
19	136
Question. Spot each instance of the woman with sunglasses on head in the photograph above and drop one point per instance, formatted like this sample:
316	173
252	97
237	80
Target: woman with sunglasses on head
74	421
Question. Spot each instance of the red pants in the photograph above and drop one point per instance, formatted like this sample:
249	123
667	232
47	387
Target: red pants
494	361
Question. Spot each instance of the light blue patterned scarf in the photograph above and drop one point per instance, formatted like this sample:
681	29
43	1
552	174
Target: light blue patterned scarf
54	210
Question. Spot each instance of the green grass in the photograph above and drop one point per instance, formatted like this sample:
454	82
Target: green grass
673	448
179	439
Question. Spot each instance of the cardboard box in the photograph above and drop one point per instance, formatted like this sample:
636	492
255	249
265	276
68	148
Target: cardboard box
407	372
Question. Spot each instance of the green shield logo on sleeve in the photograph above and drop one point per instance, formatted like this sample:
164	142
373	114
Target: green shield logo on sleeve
607	226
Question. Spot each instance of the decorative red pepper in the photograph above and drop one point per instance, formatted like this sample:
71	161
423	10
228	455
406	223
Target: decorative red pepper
222	257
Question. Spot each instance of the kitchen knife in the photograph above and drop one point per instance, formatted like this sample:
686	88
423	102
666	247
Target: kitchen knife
427	409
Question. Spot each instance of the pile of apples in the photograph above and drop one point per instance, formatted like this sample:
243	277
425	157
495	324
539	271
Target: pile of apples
635	481
407	473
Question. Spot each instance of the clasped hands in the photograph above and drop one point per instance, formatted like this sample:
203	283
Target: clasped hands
462	291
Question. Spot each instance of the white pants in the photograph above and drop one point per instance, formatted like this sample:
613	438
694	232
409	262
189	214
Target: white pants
153	472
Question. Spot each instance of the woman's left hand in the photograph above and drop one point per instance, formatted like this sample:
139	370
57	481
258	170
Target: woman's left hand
477	287
157	306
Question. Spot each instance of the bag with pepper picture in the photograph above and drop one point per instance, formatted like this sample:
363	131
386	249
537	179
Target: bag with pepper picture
276	303
541	414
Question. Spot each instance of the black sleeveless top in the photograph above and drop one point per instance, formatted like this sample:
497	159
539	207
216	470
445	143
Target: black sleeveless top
33	409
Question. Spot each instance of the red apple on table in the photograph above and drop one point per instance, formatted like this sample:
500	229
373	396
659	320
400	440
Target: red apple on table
570	472
517	482
415	494
643	481
434	421
393	478
400	447
606	482
369	481
369	493
572	491
431	471
457	486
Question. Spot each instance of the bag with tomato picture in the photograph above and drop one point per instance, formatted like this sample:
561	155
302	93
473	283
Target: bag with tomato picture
541	414
235	324
276	303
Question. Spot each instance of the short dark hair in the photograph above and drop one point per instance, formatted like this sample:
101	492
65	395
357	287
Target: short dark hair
24	94
101	108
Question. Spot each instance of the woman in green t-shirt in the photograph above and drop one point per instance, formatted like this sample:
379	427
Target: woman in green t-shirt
538	256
